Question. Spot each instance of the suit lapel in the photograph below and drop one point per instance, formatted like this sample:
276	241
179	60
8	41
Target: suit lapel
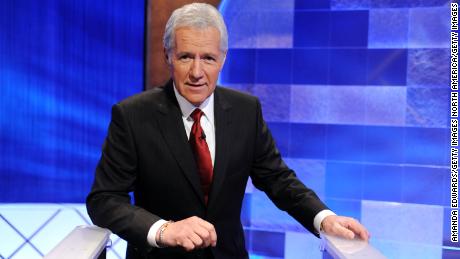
222	120
172	128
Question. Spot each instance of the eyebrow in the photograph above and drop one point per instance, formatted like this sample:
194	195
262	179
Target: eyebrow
191	54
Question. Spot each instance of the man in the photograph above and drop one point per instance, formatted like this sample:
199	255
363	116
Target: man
187	150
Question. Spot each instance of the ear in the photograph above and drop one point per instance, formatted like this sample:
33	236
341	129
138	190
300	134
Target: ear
166	56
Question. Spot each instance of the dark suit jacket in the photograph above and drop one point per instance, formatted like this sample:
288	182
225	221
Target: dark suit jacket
147	152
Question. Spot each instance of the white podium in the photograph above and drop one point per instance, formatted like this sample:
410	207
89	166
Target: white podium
84	242
340	248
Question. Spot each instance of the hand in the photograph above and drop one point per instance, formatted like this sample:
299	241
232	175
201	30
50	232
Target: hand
344	227
190	233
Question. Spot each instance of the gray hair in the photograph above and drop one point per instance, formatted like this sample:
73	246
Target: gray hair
196	15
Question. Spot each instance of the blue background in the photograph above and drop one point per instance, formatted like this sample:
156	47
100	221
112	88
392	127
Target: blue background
63	64
356	93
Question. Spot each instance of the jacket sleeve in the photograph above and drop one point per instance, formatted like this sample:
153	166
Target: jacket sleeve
271	175
109	203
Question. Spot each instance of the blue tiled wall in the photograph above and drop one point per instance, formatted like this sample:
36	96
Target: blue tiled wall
356	94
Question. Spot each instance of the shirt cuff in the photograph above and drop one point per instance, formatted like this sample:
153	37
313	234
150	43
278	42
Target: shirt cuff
319	218
152	235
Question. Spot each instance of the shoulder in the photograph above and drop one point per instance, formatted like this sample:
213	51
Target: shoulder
144	100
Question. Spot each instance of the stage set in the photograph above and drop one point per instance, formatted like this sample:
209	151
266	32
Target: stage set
357	94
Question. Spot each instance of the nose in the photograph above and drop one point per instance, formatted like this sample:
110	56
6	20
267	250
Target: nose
196	71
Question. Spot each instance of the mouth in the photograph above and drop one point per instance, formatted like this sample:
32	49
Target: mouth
195	84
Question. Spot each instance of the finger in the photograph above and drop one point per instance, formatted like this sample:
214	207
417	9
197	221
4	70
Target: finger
342	231
187	244
364	235
213	237
204	235
211	230
196	240
358	229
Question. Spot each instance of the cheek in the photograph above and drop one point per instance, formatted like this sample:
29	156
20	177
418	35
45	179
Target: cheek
179	69
181	72
214	73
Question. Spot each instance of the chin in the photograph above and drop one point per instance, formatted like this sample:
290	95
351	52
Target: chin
195	101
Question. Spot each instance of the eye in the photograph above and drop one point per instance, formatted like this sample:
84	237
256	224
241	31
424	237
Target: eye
209	59
185	57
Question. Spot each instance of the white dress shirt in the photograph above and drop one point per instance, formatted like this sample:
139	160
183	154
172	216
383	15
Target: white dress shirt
207	123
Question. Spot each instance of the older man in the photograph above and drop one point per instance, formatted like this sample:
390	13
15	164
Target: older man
187	150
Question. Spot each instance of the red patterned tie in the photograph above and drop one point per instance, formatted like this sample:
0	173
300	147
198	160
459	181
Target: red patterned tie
201	152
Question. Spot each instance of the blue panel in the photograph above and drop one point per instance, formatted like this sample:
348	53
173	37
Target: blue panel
447	231
274	66
345	142
227	7
378	101
281	133
258	23
247	239
312	4
388	28
385	144
57	90
245	88
239	66
381	182
387	67
450	253
403	224
267	243
311	66
429	27
371	4
350	4
344	180
265	215
427	146
418	185
275	29
345	207
275	101
311	172
309	104
349	28
307	141
311	29
302	245
428	68
346	105
428	107
348	66
405	3
246	210
241	28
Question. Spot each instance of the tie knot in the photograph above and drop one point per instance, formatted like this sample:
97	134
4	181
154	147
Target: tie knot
196	115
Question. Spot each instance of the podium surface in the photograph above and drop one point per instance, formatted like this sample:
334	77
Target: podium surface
340	248
84	242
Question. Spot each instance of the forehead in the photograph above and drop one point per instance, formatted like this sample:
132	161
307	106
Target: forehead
194	39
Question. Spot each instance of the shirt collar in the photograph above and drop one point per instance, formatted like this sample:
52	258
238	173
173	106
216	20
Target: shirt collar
187	108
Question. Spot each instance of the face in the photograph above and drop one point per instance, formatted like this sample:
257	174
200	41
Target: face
195	62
